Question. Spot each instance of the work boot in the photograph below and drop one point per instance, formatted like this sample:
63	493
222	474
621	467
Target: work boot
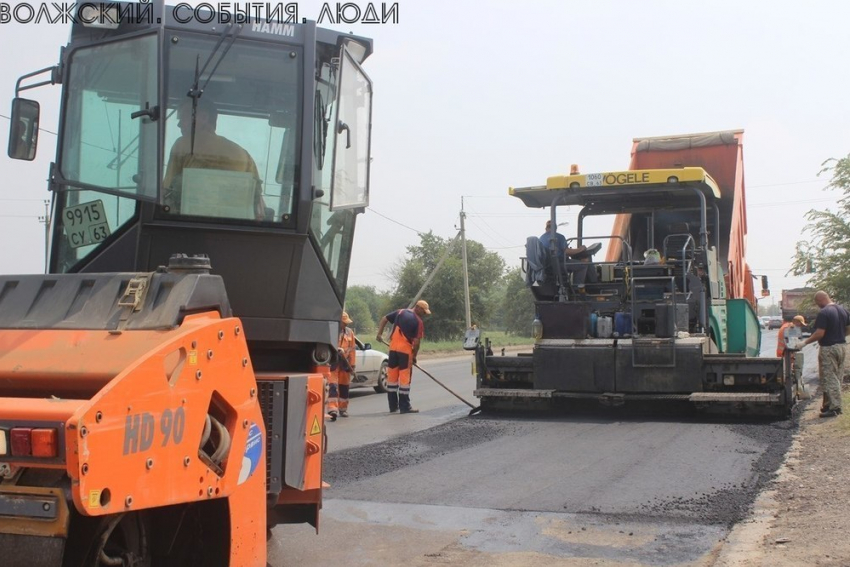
392	397
404	404
343	413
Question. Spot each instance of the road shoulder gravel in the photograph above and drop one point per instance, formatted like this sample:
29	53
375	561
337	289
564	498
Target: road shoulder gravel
801	519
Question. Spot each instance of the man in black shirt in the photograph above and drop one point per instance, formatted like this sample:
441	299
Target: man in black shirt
830	329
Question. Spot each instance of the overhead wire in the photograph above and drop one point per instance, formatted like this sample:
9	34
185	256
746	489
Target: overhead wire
509	196
419	232
40	128
488	196
490	229
508	215
488	234
797	202
782	184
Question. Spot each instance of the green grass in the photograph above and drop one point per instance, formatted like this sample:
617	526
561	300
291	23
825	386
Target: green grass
842	422
498	339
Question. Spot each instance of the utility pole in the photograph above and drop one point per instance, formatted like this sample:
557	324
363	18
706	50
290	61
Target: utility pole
46	220
465	266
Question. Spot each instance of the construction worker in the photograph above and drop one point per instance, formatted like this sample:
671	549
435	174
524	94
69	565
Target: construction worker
407	333
347	353
780	336
341	371
560	240
581	269
793	328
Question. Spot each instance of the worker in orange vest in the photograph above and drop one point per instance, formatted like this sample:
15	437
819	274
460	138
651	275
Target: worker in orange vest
790	328
347	358
799	322
407	332
341	371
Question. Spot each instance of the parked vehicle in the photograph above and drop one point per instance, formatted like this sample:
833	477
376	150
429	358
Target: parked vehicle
799	301
774	323
371	368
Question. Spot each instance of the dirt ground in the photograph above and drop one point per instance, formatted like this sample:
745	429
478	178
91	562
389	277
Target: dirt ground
802	519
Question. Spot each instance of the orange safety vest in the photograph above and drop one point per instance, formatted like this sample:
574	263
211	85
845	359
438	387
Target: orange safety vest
780	340
348	346
399	342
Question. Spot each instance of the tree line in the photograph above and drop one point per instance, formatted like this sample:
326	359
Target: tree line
499	299
824	256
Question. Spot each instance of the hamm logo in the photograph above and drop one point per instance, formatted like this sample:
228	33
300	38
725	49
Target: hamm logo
274	28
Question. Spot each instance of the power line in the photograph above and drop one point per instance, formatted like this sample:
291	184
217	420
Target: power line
489	196
780	203
490	229
40	128
783	184
509	215
487	233
749	186
505	247
420	233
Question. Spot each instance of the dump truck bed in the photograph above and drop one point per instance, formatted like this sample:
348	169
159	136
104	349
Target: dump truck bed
721	154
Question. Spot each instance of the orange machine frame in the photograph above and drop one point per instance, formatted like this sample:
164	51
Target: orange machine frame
132	432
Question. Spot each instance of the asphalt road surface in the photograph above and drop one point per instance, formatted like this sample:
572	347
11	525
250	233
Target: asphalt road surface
596	488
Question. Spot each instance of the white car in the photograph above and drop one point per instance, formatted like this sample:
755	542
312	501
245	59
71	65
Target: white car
371	368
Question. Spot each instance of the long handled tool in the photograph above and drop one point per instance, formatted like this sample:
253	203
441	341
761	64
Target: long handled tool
473	411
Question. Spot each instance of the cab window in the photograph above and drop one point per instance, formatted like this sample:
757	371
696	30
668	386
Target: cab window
231	153
108	143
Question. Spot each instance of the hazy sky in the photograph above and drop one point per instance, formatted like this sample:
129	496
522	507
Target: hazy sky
471	98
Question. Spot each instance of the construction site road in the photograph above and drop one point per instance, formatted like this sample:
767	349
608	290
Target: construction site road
596	488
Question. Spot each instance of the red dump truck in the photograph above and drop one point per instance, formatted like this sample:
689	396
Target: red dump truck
799	301
721	155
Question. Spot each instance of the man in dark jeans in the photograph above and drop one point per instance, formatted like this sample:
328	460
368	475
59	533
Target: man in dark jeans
830	330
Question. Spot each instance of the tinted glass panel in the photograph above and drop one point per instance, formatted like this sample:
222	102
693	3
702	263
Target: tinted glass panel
103	144
232	153
351	159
